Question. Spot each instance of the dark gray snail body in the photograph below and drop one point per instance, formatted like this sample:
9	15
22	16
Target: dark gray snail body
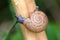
37	22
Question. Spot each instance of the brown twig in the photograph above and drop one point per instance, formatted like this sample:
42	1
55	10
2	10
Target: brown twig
23	8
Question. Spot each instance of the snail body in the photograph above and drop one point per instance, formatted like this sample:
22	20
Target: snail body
37	21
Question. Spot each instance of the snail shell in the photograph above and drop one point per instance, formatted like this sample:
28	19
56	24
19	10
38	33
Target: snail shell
37	22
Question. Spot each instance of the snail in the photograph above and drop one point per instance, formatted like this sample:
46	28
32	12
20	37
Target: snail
37	21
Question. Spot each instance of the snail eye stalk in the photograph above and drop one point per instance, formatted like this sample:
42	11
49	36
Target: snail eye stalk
20	19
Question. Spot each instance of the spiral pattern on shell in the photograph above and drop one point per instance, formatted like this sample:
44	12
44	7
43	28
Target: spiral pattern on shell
37	22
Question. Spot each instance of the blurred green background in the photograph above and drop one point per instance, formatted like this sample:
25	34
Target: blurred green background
7	20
